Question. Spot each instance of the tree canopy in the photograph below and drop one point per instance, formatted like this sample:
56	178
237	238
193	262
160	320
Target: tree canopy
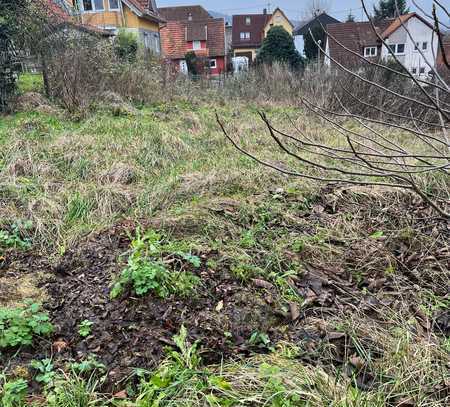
279	46
388	9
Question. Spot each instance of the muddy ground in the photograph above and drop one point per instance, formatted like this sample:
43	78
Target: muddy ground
348	278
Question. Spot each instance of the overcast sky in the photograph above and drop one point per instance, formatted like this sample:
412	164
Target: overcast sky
294	8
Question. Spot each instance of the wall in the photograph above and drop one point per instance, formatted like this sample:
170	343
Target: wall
278	19
220	66
420	33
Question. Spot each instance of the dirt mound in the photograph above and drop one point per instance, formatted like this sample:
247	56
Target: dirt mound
33	101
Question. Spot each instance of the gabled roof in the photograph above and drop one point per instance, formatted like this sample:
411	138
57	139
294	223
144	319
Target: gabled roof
282	13
399	21
323	18
181	13
355	36
175	36
145	9
256	29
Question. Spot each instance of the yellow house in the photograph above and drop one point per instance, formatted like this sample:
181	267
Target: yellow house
139	16
249	31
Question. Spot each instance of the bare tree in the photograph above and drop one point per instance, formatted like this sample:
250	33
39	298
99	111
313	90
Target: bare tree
367	154
313	8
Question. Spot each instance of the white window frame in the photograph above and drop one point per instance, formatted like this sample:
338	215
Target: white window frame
112	8
394	48
94	8
196	45
245	35
422	70
368	52
248	21
211	62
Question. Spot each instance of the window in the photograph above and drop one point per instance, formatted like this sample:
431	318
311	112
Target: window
424	46
414	71
370	51
245	36
196	45
93	5
114	4
248	20
190	17
397	49
422	70
213	63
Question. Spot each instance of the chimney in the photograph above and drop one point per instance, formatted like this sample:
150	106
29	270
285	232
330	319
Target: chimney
265	11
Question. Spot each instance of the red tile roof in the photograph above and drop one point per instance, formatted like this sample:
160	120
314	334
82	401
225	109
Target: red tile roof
175	36
355	36
181	13
147	8
256	30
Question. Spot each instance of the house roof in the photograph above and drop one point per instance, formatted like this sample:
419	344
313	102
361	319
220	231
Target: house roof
181	13
444	50
355	36
401	20
282	13
176	34
144	8
256	29
323	18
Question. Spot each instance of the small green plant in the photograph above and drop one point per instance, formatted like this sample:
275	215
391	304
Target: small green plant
126	45
44	368
146	271
18	326
87	366
14	238
261	340
85	328
12	392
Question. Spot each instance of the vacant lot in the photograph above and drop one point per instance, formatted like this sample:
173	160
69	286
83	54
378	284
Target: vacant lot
176	271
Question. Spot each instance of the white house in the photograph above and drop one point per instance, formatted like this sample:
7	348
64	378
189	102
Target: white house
410	37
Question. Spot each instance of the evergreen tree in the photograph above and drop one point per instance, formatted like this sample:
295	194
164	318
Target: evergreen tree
388	9
311	48
279	46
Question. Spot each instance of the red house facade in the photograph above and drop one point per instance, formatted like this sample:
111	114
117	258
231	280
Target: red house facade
206	38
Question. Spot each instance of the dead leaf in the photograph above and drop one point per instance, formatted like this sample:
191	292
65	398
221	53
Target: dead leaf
219	306
331	336
357	362
121	395
295	312
263	284
59	346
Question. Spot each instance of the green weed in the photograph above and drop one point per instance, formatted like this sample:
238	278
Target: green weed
146	271
12	392
85	328
14	238
45	371
18	326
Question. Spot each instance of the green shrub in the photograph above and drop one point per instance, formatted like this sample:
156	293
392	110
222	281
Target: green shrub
14	238
18	326
126	45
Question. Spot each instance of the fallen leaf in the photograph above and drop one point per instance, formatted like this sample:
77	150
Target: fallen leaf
121	395
59	346
263	284
295	312
357	362
219	306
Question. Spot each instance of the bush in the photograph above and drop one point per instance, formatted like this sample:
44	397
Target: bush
126	45
279	46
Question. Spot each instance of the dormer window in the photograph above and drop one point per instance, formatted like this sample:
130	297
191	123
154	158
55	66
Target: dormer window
190	17
370	51
248	20
93	5
245	36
